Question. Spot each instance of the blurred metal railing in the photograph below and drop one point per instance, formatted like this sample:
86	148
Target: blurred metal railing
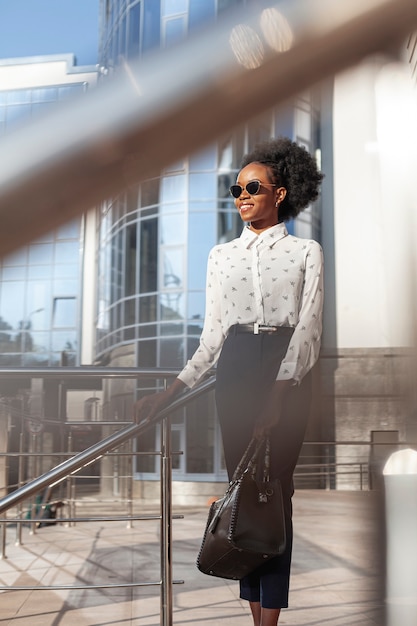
72	465
154	111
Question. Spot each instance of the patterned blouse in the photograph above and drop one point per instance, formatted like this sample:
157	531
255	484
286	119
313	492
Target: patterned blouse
272	278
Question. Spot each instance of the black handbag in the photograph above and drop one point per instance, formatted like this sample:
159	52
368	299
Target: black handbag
246	527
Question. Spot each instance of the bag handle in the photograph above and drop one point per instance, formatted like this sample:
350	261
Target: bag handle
250	458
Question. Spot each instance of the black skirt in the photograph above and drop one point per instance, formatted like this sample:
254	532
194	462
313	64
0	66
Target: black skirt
246	371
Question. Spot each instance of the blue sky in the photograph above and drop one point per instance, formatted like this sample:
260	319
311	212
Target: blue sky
38	27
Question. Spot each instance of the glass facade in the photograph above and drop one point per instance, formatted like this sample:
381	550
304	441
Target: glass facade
154	238
40	284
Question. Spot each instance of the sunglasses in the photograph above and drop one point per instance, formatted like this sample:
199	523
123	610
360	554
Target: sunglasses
253	187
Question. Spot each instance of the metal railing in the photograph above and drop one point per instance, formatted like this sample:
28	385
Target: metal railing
72	465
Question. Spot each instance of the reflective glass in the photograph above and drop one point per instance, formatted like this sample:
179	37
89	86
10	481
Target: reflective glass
67	270
41	253
65	287
67	252
201	11
151	27
149	192
133	31
64	312
12	302
171	306
174	188
45	94
39	342
203	186
172	7
64	340
172	229
196	308
201	438
172	268
171	353
147	309
17	112
19	96
36	272
202	237
13	273
172	328
174	31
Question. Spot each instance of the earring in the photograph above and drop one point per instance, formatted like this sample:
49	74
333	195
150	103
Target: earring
277	203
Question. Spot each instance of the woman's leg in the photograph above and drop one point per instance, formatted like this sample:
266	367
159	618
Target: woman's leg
255	607
269	617
264	617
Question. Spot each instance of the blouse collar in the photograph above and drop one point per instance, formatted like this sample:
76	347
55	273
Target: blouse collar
269	236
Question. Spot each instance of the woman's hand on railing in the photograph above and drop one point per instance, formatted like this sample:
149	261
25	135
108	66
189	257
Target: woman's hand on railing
147	408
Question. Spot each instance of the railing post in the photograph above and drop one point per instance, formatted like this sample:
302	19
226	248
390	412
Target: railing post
166	523
3	537
20	482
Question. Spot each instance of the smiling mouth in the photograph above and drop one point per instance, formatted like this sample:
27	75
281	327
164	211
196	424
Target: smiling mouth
245	207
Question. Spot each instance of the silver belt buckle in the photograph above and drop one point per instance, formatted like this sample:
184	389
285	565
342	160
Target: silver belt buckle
255	328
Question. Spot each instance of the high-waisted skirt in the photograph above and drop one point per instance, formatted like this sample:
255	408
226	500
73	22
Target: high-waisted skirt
246	371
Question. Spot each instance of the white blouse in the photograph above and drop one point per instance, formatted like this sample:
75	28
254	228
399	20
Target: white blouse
272	278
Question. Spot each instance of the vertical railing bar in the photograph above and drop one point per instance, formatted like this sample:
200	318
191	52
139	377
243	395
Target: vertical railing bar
129	486
166	523
3	536
19	527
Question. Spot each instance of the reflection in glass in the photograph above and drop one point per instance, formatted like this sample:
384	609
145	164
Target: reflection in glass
172	228
202	237
202	186
174	188
41	253
172	268
67	252
64	340
171	353
171	306
203	160
196	308
64	313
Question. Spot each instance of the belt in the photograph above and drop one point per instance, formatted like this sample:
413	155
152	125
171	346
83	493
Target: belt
254	329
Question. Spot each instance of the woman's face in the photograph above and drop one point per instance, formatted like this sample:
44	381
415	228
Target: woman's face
259	209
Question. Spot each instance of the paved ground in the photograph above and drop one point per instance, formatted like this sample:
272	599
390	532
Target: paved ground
335	580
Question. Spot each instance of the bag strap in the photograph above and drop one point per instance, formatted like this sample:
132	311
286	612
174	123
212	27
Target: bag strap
250	459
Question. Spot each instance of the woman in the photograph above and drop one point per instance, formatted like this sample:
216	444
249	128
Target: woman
263	321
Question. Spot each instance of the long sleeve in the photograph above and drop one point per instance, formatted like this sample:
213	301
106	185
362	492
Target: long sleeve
304	347
212	337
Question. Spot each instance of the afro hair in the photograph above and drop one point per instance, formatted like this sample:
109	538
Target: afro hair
292	167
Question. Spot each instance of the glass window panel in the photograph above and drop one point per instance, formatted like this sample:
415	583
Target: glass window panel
71	230
151	27
130	260
196	308
129	312
36	272
16	258
172	7
19	96
204	160
133	31
40	342
67	252
174	188
13	273
174	31
147	309
64	313
12	302
69	270
201	11
224	182
171	353
172	229
41	253
201	238
147	330
203	186
172	328
148	262
45	94
64	340
172	270
260	129
171	306
149	192
303	124
200	444
146	443
147	353
65	287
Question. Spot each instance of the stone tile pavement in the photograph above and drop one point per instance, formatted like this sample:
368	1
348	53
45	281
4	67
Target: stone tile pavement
336	578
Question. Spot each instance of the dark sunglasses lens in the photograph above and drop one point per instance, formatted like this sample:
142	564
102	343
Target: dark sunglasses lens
235	190
253	187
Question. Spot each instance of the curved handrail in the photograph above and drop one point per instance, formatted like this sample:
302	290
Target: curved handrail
72	465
